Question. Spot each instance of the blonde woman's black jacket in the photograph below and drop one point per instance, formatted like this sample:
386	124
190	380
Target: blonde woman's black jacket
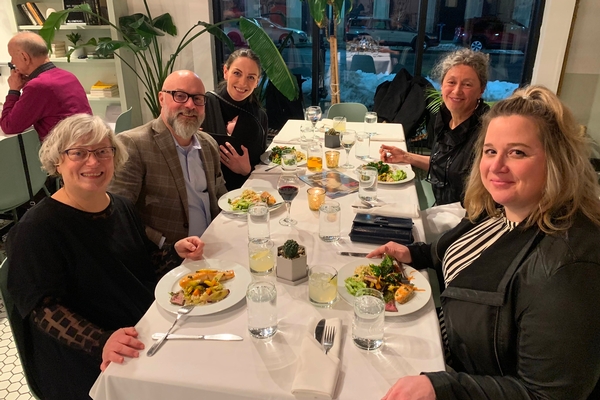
522	320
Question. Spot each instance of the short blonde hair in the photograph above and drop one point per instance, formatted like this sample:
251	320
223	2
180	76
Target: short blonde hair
571	182
90	128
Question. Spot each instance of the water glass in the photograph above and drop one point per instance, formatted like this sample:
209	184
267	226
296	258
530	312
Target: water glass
363	145
261	299
329	221
322	285
316	197
258	222
367	183
370	122
314	163
332	158
261	257
339	124
347	140
288	160
369	315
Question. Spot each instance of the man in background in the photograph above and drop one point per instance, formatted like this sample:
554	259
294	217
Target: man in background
173	174
40	94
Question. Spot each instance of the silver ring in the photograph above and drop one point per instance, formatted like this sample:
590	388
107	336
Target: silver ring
388	154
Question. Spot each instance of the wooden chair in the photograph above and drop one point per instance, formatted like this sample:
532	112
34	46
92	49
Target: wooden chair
123	122
20	331
354	112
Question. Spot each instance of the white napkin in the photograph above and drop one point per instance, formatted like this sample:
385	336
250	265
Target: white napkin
393	210
283	141
317	373
439	219
387	138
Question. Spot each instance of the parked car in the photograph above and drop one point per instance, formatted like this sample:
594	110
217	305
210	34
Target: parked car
491	33
276	32
385	32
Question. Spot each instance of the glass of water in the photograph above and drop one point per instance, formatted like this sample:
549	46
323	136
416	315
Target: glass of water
369	315
370	121
313	114
258	222
367	183
362	146
261	298
347	139
330	221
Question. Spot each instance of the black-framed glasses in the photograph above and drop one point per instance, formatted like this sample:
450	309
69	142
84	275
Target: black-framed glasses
79	154
182	97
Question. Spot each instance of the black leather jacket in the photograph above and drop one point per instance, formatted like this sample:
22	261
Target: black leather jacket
522	320
452	154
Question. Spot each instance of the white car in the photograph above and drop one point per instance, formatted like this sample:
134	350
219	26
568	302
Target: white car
276	32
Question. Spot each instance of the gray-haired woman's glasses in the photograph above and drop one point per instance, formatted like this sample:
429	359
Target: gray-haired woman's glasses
182	97
78	154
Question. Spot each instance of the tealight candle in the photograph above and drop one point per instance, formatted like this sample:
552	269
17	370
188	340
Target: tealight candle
316	197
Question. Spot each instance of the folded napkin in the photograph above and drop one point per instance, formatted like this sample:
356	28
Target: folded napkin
284	141
439	219
317	373
387	138
389	210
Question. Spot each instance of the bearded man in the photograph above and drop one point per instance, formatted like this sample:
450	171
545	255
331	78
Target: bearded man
173	174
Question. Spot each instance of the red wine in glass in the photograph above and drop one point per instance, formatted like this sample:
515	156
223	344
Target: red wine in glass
287	186
288	193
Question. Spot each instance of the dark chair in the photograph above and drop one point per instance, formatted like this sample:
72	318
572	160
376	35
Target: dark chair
362	62
20	331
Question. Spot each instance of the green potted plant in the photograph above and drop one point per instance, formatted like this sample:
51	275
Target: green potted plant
291	263
332	139
75	50
140	34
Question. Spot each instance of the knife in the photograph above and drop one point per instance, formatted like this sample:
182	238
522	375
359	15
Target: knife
220	336
319	330
352	254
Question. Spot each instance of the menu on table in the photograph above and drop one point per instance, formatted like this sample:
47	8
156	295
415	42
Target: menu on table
334	183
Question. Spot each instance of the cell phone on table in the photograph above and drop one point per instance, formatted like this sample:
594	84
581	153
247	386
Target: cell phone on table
11	65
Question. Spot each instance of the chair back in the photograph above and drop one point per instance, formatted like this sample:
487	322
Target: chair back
354	112
13	181
20	330
123	122
363	62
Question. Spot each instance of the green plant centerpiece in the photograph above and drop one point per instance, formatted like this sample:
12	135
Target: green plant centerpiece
140	33
291	263
332	139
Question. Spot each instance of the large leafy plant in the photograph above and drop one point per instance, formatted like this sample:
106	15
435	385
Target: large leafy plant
140	34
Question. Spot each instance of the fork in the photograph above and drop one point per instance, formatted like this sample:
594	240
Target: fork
181	312
328	338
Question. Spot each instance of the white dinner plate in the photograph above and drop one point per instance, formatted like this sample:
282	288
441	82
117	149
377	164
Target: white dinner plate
410	174
418	300
225	206
264	157
237	286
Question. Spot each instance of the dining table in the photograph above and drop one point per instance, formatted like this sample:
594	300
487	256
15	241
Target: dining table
265	368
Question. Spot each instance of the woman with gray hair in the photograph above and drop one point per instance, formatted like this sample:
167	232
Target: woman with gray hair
464	75
520	275
82	271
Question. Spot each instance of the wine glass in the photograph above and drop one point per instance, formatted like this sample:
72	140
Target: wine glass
313	114
347	140
287	186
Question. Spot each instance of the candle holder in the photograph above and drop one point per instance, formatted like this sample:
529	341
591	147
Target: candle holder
316	197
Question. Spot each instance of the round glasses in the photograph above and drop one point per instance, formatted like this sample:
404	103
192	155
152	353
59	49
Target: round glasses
77	154
182	97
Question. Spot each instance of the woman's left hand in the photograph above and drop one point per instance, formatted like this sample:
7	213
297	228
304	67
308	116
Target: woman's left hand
240	164
122	343
411	388
190	247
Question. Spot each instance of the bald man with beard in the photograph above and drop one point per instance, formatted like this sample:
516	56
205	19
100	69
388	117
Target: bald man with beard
173	175
40	94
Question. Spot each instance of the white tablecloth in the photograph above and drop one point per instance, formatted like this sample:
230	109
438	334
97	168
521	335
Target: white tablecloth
383	61
265	369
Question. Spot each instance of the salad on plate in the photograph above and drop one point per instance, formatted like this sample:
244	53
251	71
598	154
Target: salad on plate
387	173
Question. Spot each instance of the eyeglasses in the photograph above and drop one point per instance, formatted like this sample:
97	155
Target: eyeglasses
103	153
182	97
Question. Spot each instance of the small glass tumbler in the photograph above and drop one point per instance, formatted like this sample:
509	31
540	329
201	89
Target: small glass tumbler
332	158
367	183
329	221
314	162
261	299
316	197
370	123
261	257
362	148
339	124
369	315
322	285
258	222
288	160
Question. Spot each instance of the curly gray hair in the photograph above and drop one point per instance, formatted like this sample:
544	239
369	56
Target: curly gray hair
474	59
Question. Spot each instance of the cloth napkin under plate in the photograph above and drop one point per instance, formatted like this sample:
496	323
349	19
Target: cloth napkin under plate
390	210
317	373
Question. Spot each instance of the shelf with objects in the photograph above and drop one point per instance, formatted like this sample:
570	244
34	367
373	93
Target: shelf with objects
88	69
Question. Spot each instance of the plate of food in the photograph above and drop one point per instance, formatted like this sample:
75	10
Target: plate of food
211	285
238	200
392	174
273	155
400	298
